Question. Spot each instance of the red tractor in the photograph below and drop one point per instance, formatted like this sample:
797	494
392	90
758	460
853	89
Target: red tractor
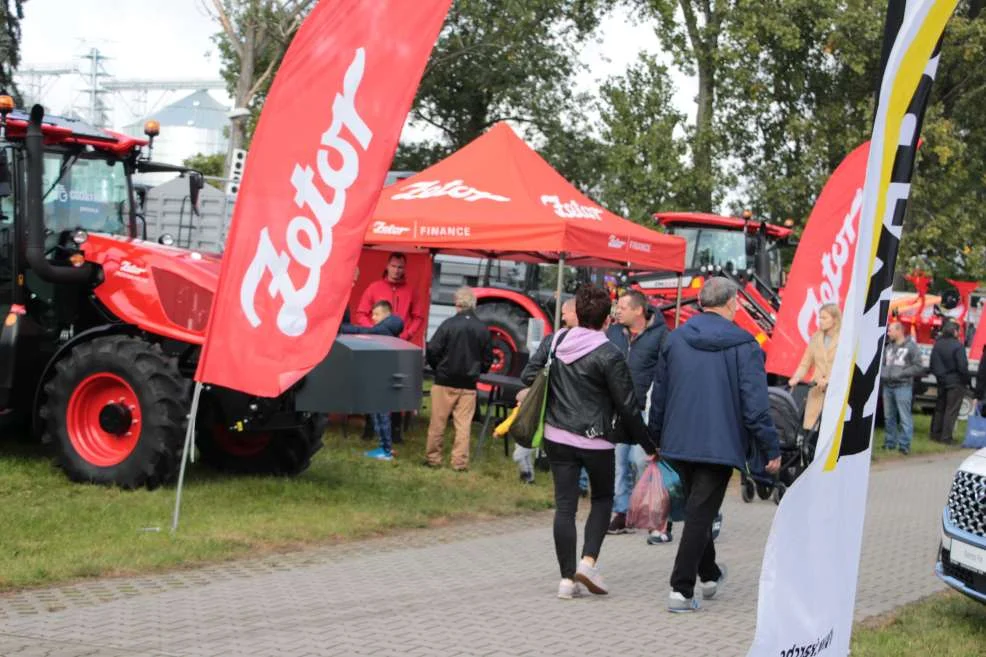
745	250
102	329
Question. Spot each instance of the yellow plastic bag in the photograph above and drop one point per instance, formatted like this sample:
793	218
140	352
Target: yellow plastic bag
502	428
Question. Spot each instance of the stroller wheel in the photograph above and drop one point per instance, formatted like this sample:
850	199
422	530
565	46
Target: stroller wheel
764	491
748	490
779	491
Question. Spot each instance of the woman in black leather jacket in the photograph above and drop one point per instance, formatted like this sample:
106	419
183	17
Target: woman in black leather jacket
589	387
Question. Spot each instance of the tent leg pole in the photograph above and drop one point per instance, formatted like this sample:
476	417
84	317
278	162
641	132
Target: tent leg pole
677	305
558	304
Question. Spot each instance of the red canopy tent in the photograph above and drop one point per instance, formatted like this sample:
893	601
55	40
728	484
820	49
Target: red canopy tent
498	197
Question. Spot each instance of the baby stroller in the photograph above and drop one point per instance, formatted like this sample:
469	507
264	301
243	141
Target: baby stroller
797	448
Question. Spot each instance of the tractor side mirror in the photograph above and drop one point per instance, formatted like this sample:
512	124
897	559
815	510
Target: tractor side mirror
195	184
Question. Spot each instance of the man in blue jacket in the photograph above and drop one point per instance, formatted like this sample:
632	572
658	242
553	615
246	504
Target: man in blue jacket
709	402
638	333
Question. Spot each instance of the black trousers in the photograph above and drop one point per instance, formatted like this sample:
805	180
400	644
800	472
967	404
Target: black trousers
705	486
566	465
947	408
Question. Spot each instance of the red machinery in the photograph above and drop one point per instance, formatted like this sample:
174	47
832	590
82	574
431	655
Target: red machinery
102	329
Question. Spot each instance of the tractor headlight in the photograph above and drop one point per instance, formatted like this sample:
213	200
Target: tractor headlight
79	237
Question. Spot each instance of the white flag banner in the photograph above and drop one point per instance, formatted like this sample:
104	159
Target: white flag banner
811	563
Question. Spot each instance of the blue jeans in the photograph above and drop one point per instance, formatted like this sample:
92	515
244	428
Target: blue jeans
630	463
382	425
897	412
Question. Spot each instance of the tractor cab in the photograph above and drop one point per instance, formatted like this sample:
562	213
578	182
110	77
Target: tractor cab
739	246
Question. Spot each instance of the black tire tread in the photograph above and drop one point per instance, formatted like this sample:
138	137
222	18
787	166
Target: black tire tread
155	459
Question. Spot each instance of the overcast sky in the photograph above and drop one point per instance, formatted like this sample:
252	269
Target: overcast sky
167	39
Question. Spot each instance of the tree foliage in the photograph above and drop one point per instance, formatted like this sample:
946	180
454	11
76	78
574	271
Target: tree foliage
255	35
209	165
502	60
643	167
11	14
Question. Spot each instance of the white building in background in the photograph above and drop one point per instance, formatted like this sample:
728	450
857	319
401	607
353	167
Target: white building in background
195	124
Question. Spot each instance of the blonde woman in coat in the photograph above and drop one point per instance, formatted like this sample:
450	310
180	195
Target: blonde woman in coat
819	356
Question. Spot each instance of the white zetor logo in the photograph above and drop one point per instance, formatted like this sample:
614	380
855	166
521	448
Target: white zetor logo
310	244
383	228
615	242
456	189
130	269
572	209
833	270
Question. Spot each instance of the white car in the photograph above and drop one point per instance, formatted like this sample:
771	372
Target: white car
962	556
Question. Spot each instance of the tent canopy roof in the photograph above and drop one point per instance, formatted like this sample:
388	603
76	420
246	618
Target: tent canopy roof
497	197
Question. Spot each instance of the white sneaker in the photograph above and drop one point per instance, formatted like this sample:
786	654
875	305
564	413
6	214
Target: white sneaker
679	604
710	589
568	589
591	577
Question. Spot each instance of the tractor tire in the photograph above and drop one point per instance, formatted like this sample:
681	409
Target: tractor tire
508	326
114	413
282	452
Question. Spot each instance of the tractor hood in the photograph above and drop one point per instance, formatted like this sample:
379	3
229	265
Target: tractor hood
164	290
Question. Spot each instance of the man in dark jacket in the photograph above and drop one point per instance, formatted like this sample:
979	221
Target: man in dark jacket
709	402
459	351
638	333
950	366
901	364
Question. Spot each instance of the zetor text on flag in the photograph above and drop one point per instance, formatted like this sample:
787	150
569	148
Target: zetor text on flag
318	160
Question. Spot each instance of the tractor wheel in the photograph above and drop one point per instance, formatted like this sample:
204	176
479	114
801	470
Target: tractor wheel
281	452
114	413
508	326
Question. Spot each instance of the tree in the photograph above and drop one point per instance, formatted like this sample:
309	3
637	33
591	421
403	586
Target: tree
693	44
209	165
799	83
945	231
642	159
501	60
11	14
255	35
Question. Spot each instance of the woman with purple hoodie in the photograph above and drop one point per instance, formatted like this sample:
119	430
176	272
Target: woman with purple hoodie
589	388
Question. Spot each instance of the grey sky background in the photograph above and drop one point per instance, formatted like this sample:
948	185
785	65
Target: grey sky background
166	39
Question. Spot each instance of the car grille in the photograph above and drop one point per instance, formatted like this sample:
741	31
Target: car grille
967	503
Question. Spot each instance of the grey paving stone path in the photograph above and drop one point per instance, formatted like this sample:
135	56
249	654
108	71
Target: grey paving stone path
479	589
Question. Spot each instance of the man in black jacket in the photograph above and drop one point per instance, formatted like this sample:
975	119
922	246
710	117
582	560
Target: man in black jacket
950	366
459	351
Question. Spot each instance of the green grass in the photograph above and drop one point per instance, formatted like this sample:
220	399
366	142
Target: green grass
54	530
946	625
920	445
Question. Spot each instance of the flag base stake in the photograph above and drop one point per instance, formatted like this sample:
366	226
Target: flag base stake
187	454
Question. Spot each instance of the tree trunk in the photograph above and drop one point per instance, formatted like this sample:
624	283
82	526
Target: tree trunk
704	136
237	128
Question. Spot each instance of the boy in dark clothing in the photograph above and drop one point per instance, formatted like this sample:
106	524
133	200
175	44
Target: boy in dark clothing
950	366
384	323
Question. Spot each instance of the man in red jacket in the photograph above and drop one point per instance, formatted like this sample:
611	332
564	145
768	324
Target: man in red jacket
403	299
394	289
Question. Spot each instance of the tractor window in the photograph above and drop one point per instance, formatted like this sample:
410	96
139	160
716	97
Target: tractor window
713	247
85	192
6	240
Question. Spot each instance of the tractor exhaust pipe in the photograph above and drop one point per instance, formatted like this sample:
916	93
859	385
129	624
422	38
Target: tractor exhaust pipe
34	250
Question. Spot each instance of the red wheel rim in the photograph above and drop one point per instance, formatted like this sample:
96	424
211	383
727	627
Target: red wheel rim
85	431
242	444
500	355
